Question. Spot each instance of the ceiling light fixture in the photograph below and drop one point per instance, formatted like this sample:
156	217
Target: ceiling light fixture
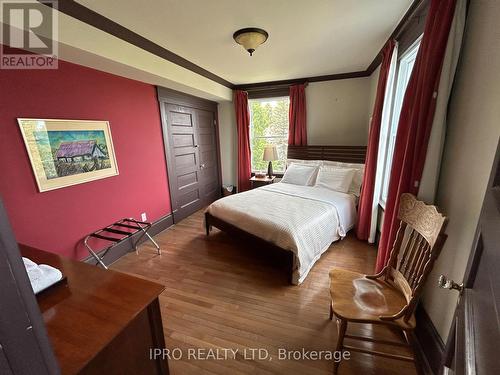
250	38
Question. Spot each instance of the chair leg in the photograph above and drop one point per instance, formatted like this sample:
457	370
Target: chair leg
342	327
331	311
410	338
208	226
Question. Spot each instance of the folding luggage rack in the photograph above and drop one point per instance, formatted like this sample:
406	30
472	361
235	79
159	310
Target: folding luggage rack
102	234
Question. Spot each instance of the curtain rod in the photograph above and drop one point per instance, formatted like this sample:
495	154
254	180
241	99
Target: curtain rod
271	87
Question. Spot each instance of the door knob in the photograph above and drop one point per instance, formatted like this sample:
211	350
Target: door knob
445	283
202	166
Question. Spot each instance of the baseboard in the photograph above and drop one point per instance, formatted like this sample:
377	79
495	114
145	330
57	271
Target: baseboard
430	344
127	246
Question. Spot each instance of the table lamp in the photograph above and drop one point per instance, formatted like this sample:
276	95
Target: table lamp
270	154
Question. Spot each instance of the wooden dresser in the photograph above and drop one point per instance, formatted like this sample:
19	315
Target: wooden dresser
101	322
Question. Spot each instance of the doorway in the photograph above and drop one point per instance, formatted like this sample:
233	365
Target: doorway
190	133
475	334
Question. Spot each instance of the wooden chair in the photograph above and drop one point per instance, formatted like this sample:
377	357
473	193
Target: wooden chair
390	297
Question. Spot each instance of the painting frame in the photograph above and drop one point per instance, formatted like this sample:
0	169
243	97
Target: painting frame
53	146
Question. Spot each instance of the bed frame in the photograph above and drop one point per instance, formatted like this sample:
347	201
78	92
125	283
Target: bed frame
345	154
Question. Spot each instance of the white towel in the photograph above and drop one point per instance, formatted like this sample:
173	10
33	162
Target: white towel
41	276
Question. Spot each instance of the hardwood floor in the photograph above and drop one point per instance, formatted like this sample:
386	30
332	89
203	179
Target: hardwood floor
222	294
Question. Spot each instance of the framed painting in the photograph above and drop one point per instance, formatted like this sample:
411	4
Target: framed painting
68	152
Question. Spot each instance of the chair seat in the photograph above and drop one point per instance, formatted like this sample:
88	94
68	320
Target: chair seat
359	299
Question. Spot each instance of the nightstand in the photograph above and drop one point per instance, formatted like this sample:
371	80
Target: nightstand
258	181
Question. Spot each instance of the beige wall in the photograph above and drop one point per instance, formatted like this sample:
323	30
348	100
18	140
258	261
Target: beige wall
228	143
473	131
86	45
337	112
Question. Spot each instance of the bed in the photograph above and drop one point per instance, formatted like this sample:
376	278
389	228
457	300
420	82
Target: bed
299	221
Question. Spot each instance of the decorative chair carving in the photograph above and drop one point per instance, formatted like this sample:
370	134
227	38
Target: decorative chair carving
390	297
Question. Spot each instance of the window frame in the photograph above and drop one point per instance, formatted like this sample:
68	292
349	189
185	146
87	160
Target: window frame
403	75
265	99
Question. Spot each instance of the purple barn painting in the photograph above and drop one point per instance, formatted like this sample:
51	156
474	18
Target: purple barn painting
68	152
79	151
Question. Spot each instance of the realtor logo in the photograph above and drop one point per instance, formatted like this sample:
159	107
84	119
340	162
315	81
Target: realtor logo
28	34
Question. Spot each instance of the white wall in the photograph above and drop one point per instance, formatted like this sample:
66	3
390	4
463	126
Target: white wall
473	131
337	112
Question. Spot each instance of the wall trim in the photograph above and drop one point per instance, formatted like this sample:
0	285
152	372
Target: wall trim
287	82
404	25
127	246
409	24
430	345
167	95
92	18
265	92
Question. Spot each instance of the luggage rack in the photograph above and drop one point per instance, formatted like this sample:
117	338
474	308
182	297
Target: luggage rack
102	234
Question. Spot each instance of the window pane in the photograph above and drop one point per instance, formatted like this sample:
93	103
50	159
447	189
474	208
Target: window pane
268	126
404	73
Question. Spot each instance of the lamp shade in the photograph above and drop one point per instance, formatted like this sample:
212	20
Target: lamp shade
270	153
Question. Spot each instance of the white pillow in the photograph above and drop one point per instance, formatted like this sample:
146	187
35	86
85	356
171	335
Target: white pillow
357	181
299	174
334	178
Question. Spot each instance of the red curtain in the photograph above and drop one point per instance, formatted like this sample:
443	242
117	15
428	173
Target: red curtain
297	131
415	121
243	124
366	197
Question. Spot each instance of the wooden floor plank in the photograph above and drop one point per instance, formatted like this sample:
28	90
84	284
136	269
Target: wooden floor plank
224	294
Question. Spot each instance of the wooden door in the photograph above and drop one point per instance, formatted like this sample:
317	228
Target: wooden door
183	160
192	151
472	347
207	148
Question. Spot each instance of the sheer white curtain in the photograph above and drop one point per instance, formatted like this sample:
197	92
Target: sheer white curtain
382	146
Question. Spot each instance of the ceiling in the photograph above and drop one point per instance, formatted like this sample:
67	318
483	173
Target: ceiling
306	37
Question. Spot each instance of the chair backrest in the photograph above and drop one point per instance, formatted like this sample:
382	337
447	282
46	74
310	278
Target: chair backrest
418	242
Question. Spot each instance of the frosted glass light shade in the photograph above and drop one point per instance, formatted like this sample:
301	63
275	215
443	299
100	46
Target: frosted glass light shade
270	153
250	38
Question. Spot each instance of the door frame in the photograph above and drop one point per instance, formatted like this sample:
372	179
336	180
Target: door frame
468	280
169	96
471	269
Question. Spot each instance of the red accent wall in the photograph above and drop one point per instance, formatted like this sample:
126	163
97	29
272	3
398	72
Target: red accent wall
57	220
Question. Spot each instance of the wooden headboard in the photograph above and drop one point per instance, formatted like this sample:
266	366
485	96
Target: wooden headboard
345	154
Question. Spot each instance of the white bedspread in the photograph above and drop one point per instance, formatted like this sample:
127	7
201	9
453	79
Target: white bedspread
302	219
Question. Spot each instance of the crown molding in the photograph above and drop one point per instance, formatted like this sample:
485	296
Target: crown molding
92	18
416	7
287	82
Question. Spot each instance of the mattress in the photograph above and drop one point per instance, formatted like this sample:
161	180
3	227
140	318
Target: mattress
302	219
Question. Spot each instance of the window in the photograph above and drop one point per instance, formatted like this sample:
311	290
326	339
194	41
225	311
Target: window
268	126
405	68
